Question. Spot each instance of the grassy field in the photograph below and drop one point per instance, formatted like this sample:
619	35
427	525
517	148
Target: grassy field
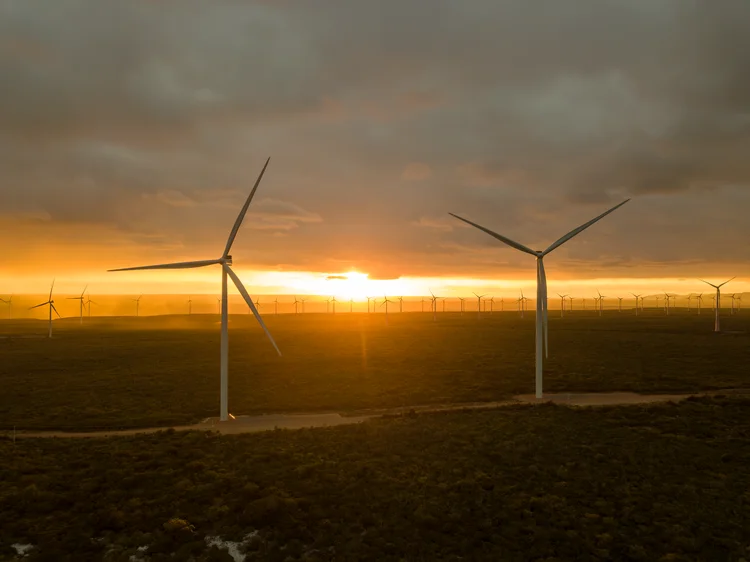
153	371
664	482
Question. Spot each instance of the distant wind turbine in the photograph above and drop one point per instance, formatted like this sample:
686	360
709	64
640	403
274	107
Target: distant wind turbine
80	303
333	300
351	305
9	302
479	304
51	304
302	300
717	327
276	306
541	301
562	304
619	304
461	304
601	301
434	306
296	303
492	304
385	302
137	301
636	302
225	261
400	304
423	304
368	303
190	305
88	303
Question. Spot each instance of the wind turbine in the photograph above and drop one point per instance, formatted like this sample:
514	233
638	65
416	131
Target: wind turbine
733	296
51	304
257	303
434	306
636	302
351	305
368	303
619	304
276	306
718	287
541	300
225	261
601	301
571	304
667	296
479	304
218	304
296	302
190	305
492	304
562	304
699	298
302	300
88	303
137	301
422	304
9	302
690	298
385	302
333	300
80	304
739	303
461	304
400	304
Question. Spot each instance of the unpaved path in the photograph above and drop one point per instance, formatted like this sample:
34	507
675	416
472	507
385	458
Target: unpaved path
252	424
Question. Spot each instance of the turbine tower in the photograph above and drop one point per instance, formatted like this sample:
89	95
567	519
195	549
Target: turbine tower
601	301
80	304
619	304
296	304
699	298
434	306
51	304
137	301
541	300
461	304
302	301
400	304
225	261
385	302
88	303
717	327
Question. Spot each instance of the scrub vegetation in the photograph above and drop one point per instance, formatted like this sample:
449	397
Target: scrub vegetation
665	482
156	371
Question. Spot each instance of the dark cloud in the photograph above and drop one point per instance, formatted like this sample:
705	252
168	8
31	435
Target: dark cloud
155	117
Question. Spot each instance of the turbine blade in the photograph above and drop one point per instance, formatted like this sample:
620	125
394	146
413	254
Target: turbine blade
241	216
38	305
53	308
176	265
727	281
84	289
707	283
50	290
581	228
249	301
508	241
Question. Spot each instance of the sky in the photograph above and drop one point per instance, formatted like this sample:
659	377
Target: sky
131	133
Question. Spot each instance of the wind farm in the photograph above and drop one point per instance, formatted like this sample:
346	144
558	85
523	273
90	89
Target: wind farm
266	289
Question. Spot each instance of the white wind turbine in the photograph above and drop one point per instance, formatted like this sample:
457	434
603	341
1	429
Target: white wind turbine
636	302
562	304
541	300
717	327
479	304
601	301
570	299
667	296
9	302
434	306
80	304
302	301
225	261
51	304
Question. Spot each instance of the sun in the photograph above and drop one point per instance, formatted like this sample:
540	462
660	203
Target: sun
351	285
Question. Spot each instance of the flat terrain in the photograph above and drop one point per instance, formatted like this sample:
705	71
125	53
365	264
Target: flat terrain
155	371
666	482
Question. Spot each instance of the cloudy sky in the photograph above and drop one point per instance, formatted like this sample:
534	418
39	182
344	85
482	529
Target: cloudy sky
131	131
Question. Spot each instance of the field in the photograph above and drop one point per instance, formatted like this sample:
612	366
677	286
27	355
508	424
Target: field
666	482
155	371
